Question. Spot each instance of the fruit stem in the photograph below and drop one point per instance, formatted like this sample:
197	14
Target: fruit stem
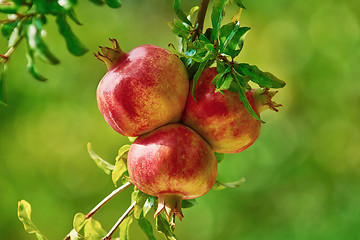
103	202
117	224
200	19
110	56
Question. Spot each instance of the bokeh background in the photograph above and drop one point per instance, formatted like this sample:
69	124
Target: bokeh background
303	173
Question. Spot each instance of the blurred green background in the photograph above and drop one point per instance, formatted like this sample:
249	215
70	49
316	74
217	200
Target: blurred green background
303	173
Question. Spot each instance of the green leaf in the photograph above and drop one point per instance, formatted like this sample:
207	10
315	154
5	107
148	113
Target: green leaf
219	186
8	28
31	66
72	42
120	164
225	84
97	2
148	204
73	16
188	203
179	29
240	4
79	221
101	163
235	41
263	79
244	99
93	230
24	215
36	43
217	16
162	225
125	227
145	225
219	157
2	84
181	15
139	205
207	59
113	3
9	9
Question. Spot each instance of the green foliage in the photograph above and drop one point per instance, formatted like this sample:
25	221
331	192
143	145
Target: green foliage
24	214
101	163
219	44
219	185
28	22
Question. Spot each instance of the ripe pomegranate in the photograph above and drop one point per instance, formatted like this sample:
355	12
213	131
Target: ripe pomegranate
143	89
173	163
221	119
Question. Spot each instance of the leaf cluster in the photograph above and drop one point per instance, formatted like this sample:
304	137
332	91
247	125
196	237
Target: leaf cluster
26	20
220	44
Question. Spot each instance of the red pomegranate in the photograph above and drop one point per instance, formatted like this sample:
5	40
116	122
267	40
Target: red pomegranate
221	119
173	163
142	90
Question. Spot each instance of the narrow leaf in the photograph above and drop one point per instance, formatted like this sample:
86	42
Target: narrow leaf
120	164
188	203
31	66
217	16
219	157
145	225
140	201
97	2
181	15
219	186
101	163
79	221
148	204
36	42
113	3
240	4
72	42
203	65
225	85
24	215
263	79
162	225
125	227
244	100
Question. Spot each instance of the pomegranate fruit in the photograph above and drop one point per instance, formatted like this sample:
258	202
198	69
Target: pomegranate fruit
143	89
173	163
221	119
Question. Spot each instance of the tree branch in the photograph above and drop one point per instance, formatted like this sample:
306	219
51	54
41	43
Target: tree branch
103	202
200	19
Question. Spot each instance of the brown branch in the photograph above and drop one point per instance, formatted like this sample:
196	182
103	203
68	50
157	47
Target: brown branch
103	202
200	19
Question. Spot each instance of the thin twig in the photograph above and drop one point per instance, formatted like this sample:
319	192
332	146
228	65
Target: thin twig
117	224
103	202
5	57
200	19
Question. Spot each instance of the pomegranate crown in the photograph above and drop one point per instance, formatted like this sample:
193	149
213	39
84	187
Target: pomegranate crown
110	56
263	100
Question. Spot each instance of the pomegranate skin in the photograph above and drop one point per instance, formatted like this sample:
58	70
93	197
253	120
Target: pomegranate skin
221	119
145	89
174	161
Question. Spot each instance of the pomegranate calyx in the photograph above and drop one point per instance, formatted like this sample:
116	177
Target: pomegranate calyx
171	204
263	100
110	56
